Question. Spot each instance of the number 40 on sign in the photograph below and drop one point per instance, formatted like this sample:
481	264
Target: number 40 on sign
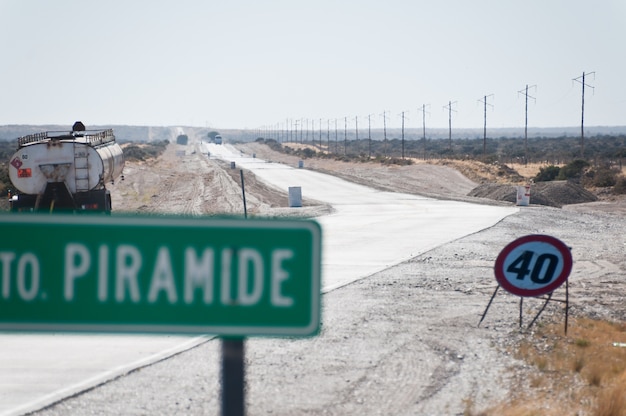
533	265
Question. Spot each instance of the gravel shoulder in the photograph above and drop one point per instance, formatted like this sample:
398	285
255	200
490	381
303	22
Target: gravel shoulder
404	341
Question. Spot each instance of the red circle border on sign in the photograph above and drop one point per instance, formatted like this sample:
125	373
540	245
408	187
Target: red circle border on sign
561	278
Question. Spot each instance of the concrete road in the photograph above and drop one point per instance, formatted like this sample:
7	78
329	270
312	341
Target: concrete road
369	231
40	369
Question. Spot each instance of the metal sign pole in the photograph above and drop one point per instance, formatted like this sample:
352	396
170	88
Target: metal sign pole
233	377
243	192
488	305
566	304
542	309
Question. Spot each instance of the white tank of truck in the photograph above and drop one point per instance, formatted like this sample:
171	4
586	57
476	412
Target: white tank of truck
66	169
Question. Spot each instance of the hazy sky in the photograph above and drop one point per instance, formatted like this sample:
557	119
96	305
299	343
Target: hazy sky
252	63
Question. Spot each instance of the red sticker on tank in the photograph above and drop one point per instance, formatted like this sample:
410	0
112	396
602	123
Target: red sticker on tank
16	163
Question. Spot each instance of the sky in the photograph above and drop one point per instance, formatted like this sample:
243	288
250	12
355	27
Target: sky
259	64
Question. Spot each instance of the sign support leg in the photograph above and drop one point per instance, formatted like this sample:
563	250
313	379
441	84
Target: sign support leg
243	192
521	303
233	377
488	305
566	304
541	310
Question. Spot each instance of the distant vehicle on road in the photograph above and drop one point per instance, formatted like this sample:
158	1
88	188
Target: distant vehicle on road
182	139
218	139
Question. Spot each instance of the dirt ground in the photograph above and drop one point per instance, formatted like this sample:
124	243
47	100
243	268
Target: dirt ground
185	181
405	341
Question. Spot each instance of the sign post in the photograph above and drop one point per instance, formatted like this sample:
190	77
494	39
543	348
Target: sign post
233	377
533	266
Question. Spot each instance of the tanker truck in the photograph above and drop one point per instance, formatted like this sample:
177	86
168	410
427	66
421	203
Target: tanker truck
65	171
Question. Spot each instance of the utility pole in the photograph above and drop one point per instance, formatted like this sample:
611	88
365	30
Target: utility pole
356	121
450	110
369	135
525	92
581	80
328	135
345	135
484	101
320	134
384	114
296	122
336	142
423	110
402	115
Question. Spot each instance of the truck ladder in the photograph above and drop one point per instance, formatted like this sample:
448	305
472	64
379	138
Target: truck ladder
81	168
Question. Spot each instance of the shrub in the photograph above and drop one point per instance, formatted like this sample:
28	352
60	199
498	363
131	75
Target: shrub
145	151
620	185
549	173
5	182
274	145
308	153
573	170
604	177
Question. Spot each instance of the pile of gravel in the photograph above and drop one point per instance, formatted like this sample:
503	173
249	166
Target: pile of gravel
553	194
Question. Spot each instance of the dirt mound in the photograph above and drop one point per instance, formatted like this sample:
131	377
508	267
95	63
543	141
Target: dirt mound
553	194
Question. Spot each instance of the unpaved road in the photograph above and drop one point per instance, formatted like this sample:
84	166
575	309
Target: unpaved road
404	341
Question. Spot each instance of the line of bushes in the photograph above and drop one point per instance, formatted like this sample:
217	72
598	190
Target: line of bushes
581	172
144	151
308	153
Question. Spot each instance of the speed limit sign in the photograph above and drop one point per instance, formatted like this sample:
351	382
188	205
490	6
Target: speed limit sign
533	265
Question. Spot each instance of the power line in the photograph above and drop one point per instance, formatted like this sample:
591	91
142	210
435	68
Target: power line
582	82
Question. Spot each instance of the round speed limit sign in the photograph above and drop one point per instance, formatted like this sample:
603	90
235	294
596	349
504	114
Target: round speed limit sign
533	265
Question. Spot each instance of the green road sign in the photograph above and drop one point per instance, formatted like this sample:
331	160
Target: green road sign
160	275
